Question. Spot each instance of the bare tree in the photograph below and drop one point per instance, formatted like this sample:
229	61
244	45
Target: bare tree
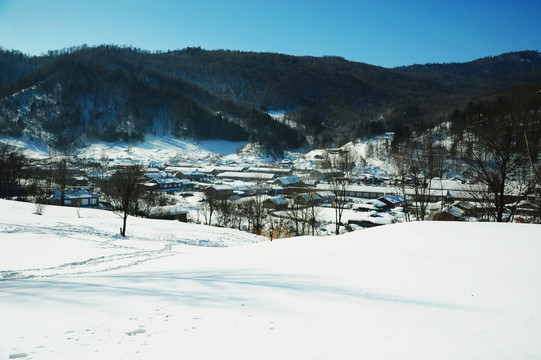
528	112
39	208
297	214
103	162
417	162
277	227
61	176
497	153
258	212
341	165
124	189
253	211
425	163
312	211
211	203
13	172
225	212
401	175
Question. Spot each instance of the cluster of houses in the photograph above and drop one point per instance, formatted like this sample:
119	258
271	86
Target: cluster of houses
282	186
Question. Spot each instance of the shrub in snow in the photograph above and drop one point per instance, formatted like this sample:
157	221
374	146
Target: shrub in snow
39	209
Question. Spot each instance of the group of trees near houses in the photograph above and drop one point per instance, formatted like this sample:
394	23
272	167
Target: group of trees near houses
232	213
495	143
22	179
344	161
14	173
417	162
500	143
250	213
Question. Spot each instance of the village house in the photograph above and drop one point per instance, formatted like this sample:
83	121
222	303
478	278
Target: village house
312	197
370	205
219	191
77	198
170	184
275	190
290	181
393	201
275	203
450	213
171	212
325	174
80	181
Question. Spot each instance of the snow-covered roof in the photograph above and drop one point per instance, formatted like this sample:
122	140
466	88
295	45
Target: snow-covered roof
376	203
152	175
371	217
168	180
278	200
74	194
228	168
269	170
289	180
393	199
221	187
246	175
325	194
167	210
454	211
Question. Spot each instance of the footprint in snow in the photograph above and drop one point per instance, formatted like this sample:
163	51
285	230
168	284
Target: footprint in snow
135	332
18	356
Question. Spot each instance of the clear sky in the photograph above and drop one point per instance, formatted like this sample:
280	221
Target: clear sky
382	32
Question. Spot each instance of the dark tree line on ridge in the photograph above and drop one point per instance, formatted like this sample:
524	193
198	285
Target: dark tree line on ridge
114	93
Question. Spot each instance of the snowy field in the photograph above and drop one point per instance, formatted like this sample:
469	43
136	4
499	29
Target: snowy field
71	288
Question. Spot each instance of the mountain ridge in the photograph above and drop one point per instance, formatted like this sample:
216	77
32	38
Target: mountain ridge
116	93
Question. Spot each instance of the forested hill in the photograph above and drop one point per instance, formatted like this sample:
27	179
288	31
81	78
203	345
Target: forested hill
111	93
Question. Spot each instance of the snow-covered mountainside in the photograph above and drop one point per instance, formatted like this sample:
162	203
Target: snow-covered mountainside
110	93
70	287
153	150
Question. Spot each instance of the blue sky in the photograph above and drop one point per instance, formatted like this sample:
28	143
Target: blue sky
385	33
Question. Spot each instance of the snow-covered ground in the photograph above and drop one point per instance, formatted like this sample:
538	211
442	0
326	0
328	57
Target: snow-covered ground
71	288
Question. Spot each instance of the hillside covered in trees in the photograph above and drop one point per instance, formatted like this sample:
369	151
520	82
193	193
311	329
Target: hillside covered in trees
77	95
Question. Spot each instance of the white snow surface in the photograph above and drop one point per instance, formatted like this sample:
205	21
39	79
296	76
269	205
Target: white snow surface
71	288
152	149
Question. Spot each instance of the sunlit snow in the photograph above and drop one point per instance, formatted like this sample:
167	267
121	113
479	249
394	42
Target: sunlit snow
71	288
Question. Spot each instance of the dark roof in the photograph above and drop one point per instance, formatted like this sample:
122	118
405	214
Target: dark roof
392	199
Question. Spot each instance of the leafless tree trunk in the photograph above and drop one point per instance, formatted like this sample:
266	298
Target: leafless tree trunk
401	176
61	177
343	161
209	205
125	189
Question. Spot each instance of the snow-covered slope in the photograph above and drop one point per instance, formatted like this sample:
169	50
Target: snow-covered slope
153	149
72	289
